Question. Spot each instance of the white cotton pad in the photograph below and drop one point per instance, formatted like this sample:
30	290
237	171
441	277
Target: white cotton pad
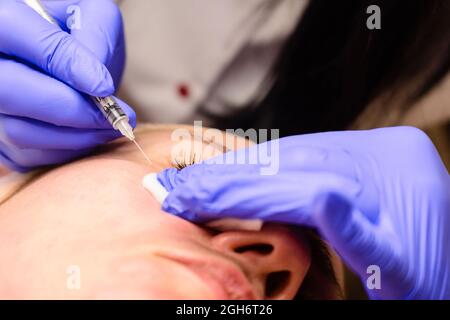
151	183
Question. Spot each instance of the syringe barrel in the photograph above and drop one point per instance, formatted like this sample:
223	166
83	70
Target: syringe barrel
110	109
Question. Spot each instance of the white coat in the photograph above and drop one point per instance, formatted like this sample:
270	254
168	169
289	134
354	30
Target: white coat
201	59
198	59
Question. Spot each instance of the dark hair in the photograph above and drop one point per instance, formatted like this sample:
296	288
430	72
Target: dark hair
333	66
320	283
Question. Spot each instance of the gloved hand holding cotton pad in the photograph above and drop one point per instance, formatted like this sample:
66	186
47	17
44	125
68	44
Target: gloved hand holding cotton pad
159	192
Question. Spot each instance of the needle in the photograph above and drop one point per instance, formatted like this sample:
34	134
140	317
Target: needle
142	151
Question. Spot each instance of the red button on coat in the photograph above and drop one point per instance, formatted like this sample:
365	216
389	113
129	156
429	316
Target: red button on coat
183	90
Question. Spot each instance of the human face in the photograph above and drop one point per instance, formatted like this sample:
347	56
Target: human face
94	215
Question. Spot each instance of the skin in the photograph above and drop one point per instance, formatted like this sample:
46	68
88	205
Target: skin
95	215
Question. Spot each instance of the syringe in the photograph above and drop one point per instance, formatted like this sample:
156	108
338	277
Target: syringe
115	115
108	105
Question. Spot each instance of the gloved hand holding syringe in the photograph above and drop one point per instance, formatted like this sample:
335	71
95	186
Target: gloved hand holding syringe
107	105
46	116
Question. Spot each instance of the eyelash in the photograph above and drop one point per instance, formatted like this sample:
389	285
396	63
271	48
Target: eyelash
180	165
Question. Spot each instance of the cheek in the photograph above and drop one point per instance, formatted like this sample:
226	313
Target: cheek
160	224
153	278
163	228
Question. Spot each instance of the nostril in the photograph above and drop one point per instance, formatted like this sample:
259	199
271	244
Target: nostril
276	282
261	248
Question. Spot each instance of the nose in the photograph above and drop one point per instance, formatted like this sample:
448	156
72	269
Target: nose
275	259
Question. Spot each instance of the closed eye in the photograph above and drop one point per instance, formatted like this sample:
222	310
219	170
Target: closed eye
182	163
194	153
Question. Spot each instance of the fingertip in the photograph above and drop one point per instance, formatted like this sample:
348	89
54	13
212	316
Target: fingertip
107	86
85	72
101	83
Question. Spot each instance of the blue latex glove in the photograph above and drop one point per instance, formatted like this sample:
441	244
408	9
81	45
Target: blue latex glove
380	197
44	116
